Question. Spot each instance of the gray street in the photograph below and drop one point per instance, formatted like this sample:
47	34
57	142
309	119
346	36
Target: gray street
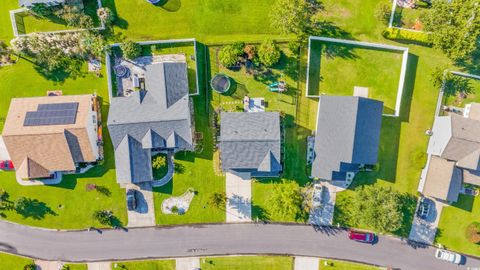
219	239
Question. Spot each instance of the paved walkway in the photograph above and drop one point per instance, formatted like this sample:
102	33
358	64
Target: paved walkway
99	266
239	197
48	265
219	239
191	263
144	215
306	263
424	230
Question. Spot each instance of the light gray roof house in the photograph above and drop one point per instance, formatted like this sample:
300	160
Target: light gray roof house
29	3
455	141
251	142
347	135
157	118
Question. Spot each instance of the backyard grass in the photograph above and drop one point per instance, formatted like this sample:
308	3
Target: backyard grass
194	170
247	262
6	31
12	262
340	265
459	101
146	265
408	17
28	23
335	69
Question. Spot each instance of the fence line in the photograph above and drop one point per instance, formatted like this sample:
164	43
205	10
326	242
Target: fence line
403	70
392	15
467	75
13	21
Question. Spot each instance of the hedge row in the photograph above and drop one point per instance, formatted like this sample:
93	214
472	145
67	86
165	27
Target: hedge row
405	35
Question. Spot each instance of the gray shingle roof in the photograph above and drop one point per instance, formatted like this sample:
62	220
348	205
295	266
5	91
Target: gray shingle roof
156	118
250	142
348	132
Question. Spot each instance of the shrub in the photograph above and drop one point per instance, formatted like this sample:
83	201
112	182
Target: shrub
73	16
159	162
41	10
383	11
175	209
131	50
30	266
229	54
420	38
472	232
218	200
106	15
269	53
104	217
294	46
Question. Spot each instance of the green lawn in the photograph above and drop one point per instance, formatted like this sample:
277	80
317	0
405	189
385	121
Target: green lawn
78	266
407	17
211	20
247	262
12	262
28	23
6	31
335	69
459	101
340	265
146	265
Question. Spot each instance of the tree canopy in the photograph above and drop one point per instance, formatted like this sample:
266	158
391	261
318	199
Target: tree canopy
269	53
130	49
229	54
287	200
455	27
379	207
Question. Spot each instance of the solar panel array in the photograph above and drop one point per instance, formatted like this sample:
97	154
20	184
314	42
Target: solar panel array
52	114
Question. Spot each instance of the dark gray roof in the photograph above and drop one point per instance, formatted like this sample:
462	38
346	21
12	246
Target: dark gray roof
348	132
250	141
156	118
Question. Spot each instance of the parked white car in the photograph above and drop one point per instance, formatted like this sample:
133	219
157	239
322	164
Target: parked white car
317	195
448	256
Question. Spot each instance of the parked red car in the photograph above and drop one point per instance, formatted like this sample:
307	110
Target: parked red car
363	237
6	165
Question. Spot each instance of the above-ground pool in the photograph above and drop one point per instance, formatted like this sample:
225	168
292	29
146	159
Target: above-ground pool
220	83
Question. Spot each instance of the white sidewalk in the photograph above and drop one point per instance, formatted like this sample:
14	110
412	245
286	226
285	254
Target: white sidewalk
187	263
306	263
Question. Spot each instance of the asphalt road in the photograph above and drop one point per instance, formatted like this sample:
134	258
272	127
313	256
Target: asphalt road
220	239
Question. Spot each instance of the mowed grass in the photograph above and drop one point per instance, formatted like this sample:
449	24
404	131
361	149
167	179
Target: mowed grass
340	265
78	266
335	69
194	170
146	265
207	20
12	262
6	31
474	96
247	262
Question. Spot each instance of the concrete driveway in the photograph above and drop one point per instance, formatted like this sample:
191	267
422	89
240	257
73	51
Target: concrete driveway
424	230
144	215
99	266
323	215
239	197
48	265
187	263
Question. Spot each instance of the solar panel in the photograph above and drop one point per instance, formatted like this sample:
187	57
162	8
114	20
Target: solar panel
52	114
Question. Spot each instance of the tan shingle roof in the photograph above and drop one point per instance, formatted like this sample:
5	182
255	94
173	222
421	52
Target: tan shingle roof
37	149
443	179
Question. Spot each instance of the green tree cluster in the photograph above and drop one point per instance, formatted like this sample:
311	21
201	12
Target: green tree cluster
131	50
286	200
269	53
229	54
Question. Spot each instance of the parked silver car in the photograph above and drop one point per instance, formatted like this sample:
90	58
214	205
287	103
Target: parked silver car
448	256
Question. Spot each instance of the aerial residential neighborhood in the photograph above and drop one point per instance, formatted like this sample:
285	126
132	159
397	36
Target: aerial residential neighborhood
266	134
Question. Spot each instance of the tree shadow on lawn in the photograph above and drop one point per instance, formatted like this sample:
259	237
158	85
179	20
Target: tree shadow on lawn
259	213
409	204
72	69
119	21
35	209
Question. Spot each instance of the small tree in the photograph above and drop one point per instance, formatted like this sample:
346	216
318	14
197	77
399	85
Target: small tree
131	50
291	16
106	15
21	204
472	232
104	217
159	162
286	200
218	200
30	266
229	54
269	53
452	84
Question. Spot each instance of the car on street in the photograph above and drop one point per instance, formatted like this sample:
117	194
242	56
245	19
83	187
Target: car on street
317	195
6	165
448	256
131	199
424	208
364	237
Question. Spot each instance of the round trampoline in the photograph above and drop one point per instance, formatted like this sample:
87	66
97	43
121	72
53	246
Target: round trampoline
220	83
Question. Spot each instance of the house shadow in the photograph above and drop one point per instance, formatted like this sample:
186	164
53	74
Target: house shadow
165	189
465	202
